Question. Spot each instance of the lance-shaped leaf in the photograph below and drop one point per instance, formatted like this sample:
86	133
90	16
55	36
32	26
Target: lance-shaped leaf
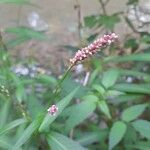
28	132
133	112
133	57
60	142
17	2
143	127
116	133
61	105
109	78
79	113
11	125
104	108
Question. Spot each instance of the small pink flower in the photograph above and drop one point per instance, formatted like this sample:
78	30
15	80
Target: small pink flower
94	47
52	110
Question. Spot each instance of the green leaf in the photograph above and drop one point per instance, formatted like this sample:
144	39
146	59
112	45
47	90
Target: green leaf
131	43
18	2
132	88
43	78
27	32
60	142
4	113
98	88
92	37
135	73
11	125
109	78
130	135
145	38
17	41
126	98
112	93
84	109
132	2
4	144
89	138
117	132
72	48
20	91
142	145
27	133
143	127
90	21
134	57
109	21
104	108
61	105
133	112
93	75
90	97
35	106
18	132
69	85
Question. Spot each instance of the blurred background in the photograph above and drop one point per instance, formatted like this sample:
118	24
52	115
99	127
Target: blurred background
59	22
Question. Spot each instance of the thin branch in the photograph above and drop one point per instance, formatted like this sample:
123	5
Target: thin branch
103	7
61	80
105	3
19	15
2	43
78	8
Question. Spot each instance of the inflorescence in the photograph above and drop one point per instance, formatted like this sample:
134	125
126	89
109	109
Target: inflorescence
94	47
52	110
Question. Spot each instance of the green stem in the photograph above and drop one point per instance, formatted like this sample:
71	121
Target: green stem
2	43
65	74
62	79
103	7
78	7
19	15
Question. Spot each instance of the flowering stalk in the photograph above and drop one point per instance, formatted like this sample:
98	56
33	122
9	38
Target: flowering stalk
52	110
81	55
93	48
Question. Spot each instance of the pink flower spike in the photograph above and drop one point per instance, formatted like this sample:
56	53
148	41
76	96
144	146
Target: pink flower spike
94	47
52	110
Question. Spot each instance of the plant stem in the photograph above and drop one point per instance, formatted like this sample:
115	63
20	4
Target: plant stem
62	79
65	74
103	7
2	43
19	15
77	6
105	3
